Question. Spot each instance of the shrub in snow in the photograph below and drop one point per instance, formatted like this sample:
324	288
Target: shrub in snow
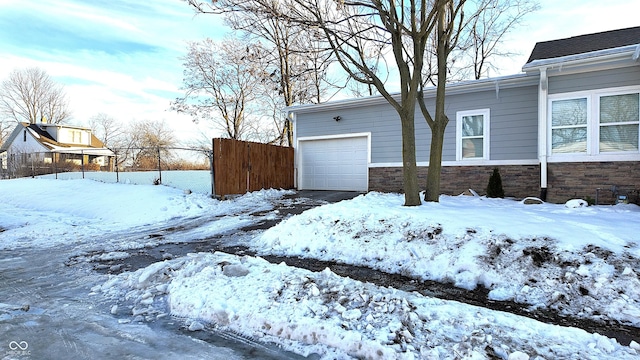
494	188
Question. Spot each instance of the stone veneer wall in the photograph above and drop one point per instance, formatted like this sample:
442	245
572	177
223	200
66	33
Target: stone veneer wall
518	181
565	180
581	180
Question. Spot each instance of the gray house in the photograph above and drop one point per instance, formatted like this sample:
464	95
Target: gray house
566	127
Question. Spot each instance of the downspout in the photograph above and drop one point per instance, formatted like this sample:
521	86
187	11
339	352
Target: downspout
542	131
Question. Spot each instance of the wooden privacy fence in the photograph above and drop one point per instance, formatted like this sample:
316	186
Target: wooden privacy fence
241	166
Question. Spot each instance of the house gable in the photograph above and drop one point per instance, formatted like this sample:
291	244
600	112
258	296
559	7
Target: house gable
24	139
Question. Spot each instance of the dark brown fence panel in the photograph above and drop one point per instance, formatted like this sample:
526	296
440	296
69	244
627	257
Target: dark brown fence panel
241	166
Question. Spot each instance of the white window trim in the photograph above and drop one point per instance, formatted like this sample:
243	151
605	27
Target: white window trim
593	126
486	115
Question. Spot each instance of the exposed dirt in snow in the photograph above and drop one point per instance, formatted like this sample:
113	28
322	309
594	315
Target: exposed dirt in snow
141	258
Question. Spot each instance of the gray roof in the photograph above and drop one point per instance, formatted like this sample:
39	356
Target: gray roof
585	43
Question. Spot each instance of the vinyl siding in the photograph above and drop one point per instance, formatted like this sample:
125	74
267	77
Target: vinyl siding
625	76
513	122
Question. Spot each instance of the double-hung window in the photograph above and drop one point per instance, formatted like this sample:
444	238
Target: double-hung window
619	121
569	125
596	122
472	133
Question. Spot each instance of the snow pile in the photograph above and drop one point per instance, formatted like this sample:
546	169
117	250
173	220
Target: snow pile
340	318
579	261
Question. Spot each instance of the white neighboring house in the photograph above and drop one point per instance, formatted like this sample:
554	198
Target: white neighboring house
34	149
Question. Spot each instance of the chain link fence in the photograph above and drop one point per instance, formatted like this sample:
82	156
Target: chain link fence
184	168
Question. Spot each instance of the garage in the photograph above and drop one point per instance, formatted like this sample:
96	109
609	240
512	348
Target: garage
334	164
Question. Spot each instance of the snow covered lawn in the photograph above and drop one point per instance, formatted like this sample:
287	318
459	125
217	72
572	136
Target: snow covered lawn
580	261
48	212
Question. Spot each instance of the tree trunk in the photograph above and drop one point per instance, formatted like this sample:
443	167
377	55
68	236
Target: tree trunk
435	163
409	167
440	121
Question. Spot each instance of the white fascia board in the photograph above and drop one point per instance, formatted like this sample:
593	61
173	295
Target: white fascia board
594	58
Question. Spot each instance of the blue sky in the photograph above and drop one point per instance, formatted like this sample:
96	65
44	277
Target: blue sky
122	57
119	57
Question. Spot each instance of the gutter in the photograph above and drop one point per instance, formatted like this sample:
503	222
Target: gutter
594	57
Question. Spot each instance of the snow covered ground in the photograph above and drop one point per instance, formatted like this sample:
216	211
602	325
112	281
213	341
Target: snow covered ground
193	180
580	261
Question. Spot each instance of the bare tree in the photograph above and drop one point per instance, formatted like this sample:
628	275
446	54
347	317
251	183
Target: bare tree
361	35
482	35
448	24
372	39
5	130
30	95
106	128
145	144
220	81
486	32
297	61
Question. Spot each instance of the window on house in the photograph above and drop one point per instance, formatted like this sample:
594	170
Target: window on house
76	136
473	134
569	126
619	121
595	123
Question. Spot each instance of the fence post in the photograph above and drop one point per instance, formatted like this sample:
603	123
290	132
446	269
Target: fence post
248	166
82	162
159	168
213	178
116	166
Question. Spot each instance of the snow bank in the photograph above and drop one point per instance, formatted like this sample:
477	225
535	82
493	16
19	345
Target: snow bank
340	318
578	261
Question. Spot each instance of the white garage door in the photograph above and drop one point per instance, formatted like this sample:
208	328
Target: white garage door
334	164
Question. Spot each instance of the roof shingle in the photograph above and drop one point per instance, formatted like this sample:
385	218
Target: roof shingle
585	43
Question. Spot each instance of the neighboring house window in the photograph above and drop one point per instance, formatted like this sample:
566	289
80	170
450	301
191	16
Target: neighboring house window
76	136
596	122
472	128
